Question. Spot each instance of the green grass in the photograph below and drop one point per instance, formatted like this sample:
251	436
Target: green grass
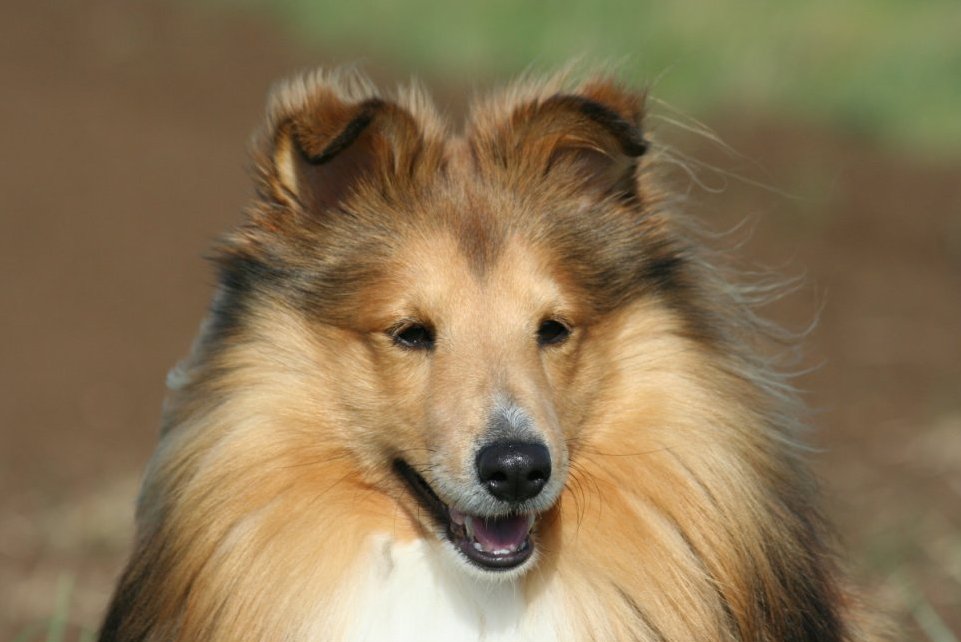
54	628
890	69
922	613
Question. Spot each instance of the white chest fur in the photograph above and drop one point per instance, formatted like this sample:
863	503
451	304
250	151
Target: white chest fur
415	592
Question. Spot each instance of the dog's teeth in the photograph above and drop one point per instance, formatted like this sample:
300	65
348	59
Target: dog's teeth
478	547
469	525
530	521
457	517
502	551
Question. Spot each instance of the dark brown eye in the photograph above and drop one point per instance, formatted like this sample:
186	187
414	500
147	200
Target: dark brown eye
415	336
551	332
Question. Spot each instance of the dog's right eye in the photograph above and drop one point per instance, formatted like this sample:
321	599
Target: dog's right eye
552	332
415	336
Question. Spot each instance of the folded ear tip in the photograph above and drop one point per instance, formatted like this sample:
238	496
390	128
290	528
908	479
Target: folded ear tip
593	133
327	140
617	119
363	116
636	147
606	91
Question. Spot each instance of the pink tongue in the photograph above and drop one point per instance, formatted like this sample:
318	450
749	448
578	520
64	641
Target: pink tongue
501	532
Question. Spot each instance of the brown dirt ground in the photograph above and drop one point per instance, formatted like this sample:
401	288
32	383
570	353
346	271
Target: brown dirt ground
124	129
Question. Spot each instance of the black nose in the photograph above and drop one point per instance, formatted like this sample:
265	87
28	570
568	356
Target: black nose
514	471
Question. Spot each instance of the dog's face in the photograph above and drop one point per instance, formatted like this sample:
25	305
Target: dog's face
460	289
476	365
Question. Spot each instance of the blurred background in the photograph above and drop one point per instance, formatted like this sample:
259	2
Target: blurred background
124	128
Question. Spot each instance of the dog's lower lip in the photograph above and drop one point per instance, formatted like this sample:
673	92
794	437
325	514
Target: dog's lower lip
493	543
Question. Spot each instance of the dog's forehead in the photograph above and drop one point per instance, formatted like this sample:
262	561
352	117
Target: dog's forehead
473	213
450	260
432	277
476	226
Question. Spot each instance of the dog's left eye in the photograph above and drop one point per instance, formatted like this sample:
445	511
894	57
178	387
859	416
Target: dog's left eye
415	336
551	332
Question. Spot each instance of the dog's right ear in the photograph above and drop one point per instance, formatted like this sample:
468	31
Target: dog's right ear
323	148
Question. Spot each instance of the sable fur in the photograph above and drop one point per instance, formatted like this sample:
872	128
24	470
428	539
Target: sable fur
687	512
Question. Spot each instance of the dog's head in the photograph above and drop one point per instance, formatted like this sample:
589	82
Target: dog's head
461	294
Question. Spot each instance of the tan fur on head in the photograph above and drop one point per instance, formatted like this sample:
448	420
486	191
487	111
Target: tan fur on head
276	506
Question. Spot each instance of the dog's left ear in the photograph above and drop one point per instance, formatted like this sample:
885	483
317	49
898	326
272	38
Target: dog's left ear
593	135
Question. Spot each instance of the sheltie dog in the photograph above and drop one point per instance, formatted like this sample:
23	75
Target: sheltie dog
484	386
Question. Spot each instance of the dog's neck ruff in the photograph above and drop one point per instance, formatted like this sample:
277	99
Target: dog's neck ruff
413	591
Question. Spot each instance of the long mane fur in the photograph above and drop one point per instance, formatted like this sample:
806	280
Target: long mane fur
686	516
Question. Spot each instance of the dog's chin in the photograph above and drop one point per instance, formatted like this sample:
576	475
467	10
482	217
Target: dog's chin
492	547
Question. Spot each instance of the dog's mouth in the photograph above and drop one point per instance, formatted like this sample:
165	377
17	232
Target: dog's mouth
492	543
